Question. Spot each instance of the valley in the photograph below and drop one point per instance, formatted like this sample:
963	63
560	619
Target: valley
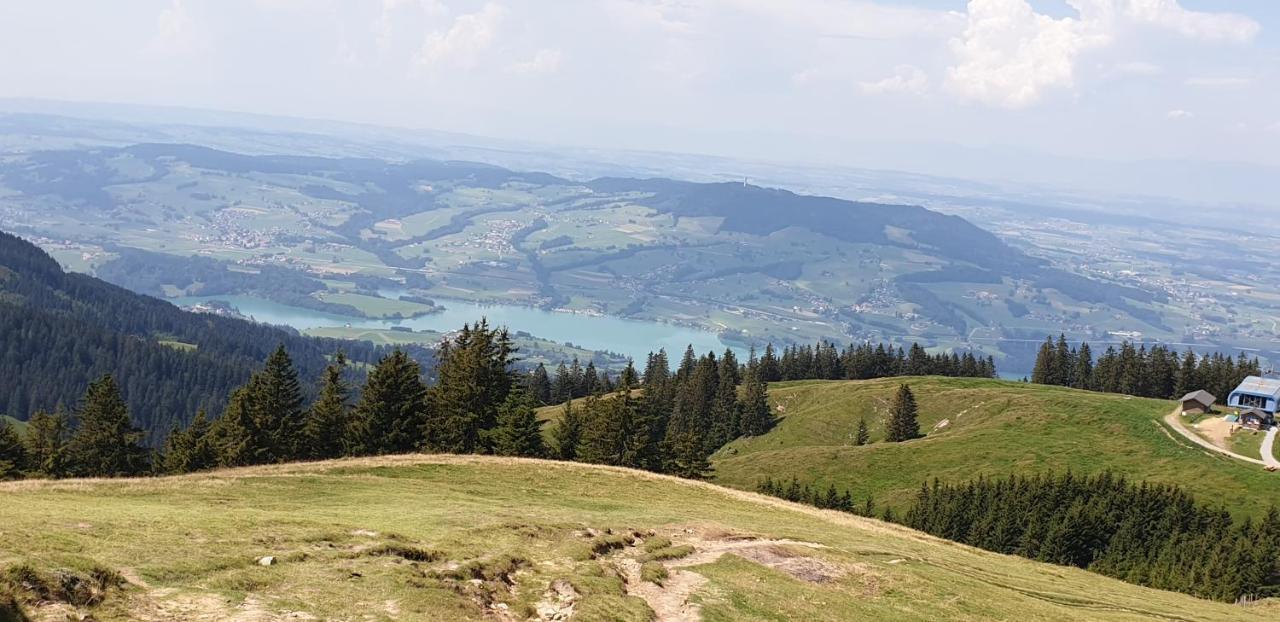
752	265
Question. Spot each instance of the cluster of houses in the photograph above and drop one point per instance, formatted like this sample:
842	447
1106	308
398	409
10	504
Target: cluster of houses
1255	402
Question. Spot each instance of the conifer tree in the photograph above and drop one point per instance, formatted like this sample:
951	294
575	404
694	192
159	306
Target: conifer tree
390	415
629	378
518	431
189	450
277	410
328	422
568	433
756	417
769	369
538	385
1082	377
686	458
106	443
46	441
474	377
233	435
562	388
1046	367
862	435
902	417
13	454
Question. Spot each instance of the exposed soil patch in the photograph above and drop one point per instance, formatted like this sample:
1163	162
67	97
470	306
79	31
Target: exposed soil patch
670	598
557	603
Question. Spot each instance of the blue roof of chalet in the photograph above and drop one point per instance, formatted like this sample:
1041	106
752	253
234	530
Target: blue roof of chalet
1255	385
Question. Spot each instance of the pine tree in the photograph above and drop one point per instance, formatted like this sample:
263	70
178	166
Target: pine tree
106	443
1082	377
862	435
474	377
538	385
233	435
562	389
629	378
756	417
189	450
686	458
46	441
902	417
327	427
13	455
391	412
277	410
568	434
518	431
1045	370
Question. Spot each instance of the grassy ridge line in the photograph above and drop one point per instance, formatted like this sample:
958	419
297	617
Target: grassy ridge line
191	541
993	429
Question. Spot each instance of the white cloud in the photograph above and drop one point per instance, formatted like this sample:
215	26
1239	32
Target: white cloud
1009	55
906	79
543	62
469	36
1175	115
1218	82
1274	128
1170	15
174	31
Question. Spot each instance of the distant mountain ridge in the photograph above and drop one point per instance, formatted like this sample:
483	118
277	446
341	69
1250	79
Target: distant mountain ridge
653	249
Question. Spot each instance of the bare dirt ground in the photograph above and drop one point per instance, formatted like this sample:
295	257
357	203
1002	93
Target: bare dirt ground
1173	420
671	599
1216	429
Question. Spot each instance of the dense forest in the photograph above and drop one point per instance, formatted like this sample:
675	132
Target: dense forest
59	331
476	405
1140	371
1148	534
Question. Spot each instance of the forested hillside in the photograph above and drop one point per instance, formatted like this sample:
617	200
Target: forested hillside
59	331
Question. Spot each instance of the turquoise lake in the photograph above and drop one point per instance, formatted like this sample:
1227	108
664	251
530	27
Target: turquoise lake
634	338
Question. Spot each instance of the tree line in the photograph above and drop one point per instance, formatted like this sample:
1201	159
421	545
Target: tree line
1148	534
822	361
664	421
1156	372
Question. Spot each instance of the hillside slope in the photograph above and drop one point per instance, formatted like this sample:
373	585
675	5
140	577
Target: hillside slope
992	429
443	537
753	263
61	330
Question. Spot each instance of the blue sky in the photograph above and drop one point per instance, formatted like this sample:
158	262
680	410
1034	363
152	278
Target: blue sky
834	81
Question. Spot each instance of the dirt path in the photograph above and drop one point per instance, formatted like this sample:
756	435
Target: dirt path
669	599
1174	422
1268	449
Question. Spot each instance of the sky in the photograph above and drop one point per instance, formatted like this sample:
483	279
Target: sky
828	81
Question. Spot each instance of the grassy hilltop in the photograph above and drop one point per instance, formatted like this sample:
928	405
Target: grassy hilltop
992	428
442	537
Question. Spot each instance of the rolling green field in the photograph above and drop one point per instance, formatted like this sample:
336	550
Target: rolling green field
992	429
469	538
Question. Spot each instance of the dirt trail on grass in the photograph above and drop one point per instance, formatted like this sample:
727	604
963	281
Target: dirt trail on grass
1172	419
670	598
